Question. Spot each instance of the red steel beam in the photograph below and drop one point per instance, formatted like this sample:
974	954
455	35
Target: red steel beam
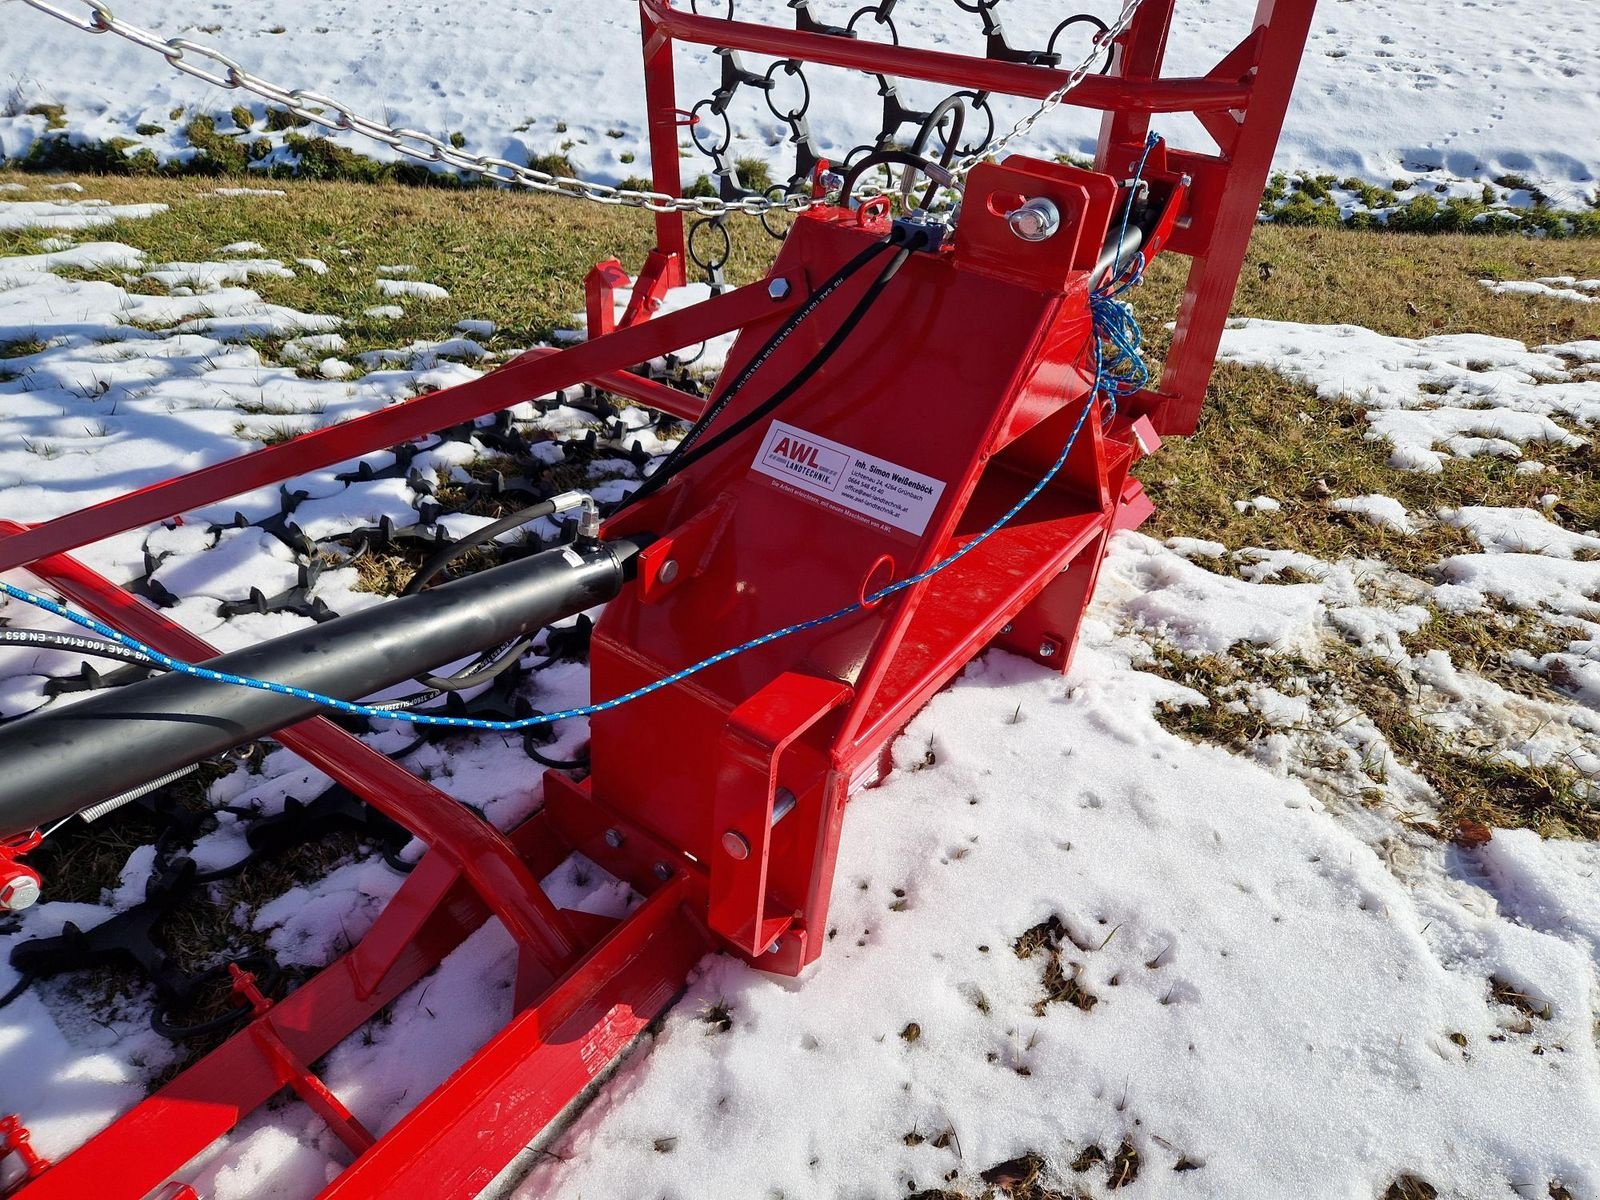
954	70
635	387
481	852
453	1144
518	381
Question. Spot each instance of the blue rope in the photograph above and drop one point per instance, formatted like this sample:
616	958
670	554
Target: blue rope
1117	374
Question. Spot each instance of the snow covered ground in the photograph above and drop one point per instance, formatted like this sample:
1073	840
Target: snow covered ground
1059	928
1454	94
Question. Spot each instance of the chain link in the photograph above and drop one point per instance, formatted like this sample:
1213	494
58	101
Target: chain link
1100	44
218	69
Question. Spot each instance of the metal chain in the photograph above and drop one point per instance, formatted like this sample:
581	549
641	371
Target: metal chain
332	114
1100	43
221	71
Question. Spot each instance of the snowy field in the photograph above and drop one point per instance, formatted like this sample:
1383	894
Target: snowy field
1452	95
1059	928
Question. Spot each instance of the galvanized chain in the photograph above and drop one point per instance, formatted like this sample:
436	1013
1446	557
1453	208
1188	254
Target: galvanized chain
218	69
1101	46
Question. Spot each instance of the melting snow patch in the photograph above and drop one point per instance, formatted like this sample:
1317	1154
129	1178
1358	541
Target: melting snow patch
1383	511
1206	613
412	287
70	214
1456	395
1519	531
384	312
1560	287
212	276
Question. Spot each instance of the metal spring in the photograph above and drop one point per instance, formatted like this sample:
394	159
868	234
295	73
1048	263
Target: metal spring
95	812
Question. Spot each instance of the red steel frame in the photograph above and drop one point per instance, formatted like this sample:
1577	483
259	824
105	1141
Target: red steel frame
772	744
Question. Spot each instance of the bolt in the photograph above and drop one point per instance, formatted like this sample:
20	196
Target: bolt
662	871
1007	627
22	892
736	845
1035	221
669	571
777	944
1047	649
778	289
614	838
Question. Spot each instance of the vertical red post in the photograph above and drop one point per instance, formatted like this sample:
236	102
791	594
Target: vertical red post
1270	57
661	100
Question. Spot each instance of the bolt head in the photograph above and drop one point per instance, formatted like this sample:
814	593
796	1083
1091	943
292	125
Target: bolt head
778	289
1035	221
777	944
669	571
19	893
614	838
662	871
736	845
1007	627
1047	649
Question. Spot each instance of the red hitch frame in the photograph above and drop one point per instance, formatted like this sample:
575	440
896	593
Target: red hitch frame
720	798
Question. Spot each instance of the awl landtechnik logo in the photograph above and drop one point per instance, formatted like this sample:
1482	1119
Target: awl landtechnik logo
861	483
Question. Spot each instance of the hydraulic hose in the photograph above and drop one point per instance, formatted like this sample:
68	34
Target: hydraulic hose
70	757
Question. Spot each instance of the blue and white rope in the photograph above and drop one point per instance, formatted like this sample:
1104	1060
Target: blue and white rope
1119	374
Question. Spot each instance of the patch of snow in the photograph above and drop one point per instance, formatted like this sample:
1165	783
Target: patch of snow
384	312
1519	531
1383	511
412	287
1559	287
71	214
1258	504
1454	395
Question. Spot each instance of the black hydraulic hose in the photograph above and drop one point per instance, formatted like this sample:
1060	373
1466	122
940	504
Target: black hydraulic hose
64	759
950	104
1116	252
39	639
804	375
443	558
675	461
879	158
500	659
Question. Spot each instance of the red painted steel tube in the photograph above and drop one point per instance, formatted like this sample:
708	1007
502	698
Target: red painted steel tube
636	387
142	1149
484	856
661	98
455	1142
511	384
955	70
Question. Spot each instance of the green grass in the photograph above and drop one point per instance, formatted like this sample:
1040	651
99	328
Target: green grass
515	258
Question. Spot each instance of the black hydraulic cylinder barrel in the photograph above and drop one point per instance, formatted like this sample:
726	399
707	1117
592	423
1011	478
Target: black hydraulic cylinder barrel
65	759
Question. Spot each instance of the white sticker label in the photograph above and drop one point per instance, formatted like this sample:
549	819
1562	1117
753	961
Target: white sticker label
862	483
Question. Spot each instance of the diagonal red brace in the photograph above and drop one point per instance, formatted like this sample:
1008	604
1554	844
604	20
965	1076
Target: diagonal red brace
520	380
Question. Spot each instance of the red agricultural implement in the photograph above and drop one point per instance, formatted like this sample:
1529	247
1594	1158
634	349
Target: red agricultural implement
857	510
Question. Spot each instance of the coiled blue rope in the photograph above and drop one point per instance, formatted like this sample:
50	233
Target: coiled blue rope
1120	373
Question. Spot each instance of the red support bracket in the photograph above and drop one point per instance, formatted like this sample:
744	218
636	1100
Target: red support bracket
14	1139
747	802
599	294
